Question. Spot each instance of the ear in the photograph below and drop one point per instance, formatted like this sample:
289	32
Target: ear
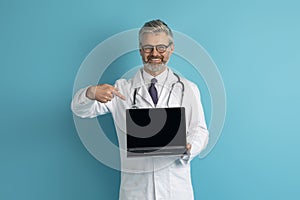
140	51
171	49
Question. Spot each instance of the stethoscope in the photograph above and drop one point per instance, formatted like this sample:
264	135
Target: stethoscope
172	87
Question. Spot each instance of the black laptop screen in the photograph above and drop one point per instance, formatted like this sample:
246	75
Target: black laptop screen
167	128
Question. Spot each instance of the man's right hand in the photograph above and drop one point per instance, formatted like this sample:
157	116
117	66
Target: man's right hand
103	93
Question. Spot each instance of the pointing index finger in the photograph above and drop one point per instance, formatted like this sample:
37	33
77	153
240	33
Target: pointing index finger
117	93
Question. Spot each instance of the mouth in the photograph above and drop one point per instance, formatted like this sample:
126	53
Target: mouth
155	60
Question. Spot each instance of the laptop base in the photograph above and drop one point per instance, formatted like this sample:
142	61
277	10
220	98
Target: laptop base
159	152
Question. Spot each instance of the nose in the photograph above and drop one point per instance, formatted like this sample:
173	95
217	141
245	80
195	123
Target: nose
155	52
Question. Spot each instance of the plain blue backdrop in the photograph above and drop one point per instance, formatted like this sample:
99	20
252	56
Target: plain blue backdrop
255	45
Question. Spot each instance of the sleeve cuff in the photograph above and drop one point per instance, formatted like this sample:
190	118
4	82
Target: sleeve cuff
83	99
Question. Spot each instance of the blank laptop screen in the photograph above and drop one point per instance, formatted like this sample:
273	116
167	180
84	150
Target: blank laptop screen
155	127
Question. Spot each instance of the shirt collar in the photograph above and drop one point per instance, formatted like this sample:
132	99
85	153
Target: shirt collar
160	78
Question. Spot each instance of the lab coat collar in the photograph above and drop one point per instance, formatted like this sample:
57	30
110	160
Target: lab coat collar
171	79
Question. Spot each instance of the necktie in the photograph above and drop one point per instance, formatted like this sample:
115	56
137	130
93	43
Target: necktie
153	91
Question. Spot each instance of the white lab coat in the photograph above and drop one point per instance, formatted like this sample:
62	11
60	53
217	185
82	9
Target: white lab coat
152	178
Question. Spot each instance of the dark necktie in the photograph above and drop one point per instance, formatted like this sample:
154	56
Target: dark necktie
153	91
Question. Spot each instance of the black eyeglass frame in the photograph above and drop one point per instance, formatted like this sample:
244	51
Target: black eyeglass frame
157	47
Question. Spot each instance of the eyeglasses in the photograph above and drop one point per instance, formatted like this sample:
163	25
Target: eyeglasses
159	48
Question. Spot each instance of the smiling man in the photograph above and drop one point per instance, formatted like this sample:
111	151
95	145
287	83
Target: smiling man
155	57
153	86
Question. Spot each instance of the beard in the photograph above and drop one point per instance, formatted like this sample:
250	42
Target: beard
154	67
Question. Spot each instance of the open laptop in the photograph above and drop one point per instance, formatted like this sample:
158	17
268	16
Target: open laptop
155	131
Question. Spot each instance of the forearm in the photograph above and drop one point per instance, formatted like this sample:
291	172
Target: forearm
197	134
198	138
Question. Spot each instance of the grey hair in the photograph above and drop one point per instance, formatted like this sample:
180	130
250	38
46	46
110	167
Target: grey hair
156	26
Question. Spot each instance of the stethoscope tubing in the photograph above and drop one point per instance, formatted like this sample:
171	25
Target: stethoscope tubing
172	87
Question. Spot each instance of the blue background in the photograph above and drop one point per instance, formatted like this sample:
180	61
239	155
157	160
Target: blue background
255	45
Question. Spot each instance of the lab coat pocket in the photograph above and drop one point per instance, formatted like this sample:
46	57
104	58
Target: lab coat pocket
181	185
134	186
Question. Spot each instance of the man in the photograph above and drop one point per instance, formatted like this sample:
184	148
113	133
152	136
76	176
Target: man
153	86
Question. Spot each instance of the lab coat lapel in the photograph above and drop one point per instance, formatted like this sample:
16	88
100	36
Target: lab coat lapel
144	94
170	80
142	90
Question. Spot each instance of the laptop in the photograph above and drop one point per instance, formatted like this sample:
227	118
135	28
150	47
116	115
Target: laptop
155	132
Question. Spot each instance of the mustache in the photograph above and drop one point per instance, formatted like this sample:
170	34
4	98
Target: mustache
155	57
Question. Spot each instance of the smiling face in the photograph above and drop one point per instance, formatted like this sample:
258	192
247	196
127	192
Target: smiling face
155	50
